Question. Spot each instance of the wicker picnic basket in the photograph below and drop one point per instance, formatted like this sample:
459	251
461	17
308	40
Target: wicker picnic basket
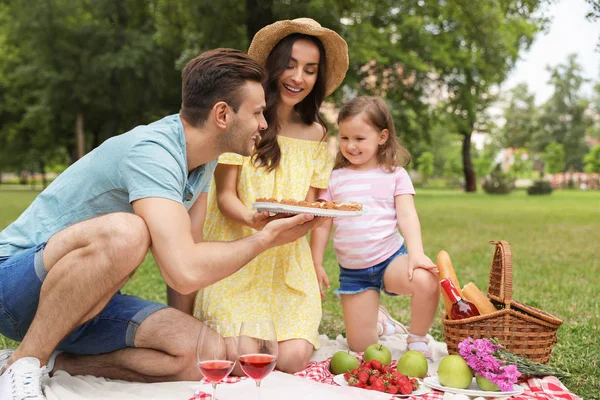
521	329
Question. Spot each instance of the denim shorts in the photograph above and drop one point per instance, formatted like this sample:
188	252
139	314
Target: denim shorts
21	278
354	281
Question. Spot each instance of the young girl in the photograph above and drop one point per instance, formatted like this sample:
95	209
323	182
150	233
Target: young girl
372	254
305	63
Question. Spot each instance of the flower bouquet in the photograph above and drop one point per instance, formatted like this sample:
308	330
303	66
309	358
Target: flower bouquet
490	361
483	356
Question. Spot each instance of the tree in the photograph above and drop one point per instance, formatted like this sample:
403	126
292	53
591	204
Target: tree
425	165
521	119
521	165
592	160
594	129
554	158
486	41
484	163
563	118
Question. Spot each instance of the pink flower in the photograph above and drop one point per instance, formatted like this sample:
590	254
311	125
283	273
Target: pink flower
483	358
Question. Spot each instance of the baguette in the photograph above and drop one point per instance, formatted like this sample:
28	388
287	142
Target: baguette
444	264
472	293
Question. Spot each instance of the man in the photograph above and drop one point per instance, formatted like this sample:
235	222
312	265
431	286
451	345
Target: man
63	261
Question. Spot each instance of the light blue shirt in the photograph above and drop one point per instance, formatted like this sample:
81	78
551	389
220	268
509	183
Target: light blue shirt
148	161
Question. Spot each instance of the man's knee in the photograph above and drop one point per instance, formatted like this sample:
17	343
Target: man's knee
127	236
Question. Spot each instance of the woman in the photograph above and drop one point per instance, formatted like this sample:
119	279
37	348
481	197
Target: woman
305	63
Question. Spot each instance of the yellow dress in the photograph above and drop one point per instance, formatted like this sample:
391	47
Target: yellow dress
280	283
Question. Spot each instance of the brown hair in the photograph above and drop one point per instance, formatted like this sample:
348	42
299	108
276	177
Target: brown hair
376	113
267	153
213	76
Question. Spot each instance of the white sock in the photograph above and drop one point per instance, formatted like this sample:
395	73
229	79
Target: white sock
379	329
417	345
390	327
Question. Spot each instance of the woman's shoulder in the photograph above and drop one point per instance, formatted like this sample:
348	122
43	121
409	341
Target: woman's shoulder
316	131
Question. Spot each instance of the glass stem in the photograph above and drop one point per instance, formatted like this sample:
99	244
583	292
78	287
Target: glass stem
214	395
258	390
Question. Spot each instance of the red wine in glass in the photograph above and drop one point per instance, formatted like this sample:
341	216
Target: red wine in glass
257	366
257	350
215	370
212	351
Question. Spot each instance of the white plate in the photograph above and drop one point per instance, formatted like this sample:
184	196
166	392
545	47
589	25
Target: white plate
340	380
287	209
472	390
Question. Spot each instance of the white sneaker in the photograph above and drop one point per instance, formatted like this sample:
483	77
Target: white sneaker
6	353
22	380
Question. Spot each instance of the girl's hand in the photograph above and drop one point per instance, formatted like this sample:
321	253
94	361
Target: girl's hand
322	279
258	220
420	261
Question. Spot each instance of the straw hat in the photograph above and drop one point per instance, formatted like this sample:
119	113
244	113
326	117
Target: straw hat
336	49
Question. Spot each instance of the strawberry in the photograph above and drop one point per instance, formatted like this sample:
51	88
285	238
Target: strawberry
353	381
347	375
362	376
378	385
388	377
374	372
387	369
367	365
406	388
392	389
372	379
376	365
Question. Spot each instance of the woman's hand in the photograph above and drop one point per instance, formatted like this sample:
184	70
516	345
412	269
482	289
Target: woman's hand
322	279
420	261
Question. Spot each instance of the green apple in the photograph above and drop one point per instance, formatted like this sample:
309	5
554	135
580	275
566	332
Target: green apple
378	352
413	364
486	384
454	372
342	362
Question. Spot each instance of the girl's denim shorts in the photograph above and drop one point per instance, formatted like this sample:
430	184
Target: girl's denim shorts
354	281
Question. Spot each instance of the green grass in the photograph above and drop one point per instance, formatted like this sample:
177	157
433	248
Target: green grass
554	241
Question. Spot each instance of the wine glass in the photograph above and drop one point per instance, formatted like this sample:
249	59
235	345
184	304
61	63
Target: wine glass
212	351
257	349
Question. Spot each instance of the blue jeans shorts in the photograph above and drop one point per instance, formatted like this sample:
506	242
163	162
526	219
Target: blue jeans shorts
354	281
21	278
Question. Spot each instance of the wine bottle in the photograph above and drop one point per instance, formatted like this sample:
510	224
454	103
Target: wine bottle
461	308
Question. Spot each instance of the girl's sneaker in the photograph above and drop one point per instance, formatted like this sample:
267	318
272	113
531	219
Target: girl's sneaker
387	325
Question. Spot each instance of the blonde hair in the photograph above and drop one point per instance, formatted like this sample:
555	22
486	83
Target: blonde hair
376	113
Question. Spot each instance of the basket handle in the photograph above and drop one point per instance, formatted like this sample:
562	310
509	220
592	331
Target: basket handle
500	285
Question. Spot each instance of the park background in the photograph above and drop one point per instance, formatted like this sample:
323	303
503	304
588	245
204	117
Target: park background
492	158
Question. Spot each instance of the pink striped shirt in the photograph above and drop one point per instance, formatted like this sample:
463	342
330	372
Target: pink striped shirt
361	242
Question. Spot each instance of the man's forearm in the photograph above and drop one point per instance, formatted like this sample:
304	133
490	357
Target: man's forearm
208	262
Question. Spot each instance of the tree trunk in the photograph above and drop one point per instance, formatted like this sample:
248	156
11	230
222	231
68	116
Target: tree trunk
42	166
470	178
259	13
80	135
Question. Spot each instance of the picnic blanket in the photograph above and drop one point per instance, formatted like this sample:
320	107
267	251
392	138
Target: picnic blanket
314	383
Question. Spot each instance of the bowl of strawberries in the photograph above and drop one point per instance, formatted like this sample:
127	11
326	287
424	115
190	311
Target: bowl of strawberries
372	375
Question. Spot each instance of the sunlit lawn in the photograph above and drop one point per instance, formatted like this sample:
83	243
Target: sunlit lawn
554	241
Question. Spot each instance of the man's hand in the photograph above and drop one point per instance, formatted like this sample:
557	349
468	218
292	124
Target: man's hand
284	229
322	279
420	261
